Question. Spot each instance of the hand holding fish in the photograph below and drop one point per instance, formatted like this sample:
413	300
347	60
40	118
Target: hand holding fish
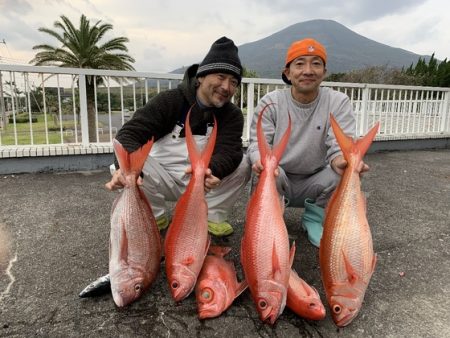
257	168
211	181
118	181
339	164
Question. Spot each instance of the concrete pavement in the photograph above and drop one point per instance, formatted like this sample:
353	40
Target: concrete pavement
54	233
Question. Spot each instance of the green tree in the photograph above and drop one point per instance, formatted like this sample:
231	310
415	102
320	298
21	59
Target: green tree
83	47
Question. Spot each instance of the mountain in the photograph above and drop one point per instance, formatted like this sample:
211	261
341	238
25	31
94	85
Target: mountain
346	49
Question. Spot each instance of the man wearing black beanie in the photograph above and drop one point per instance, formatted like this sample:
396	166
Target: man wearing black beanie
208	87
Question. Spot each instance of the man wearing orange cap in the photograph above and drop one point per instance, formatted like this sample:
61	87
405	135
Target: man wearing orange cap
312	163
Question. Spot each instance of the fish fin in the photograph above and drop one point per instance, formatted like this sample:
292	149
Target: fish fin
263	145
132	162
348	145
364	143
188	260
219	251
276	269
123	245
278	150
374	262
209	148
351	274
292	254
242	286
196	157
194	154
208	244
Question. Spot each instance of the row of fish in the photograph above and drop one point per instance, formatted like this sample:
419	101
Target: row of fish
346	254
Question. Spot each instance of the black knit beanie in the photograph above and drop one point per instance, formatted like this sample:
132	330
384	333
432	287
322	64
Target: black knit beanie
221	58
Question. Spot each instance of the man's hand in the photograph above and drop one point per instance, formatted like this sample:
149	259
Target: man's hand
211	181
339	164
257	168
118	181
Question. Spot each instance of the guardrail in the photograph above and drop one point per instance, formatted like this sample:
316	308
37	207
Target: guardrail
48	106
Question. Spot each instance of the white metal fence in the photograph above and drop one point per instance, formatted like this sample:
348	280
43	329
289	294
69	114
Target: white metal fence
49	106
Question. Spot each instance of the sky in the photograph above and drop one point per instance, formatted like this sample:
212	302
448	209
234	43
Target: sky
165	35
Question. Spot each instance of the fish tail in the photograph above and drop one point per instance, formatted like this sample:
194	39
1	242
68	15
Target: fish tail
219	251
132	162
348	145
263	145
195	155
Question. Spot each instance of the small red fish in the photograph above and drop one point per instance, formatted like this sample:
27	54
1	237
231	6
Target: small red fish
217	285
347	260
135	243
187	240
303	299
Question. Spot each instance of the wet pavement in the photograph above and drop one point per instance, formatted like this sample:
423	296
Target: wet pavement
54	233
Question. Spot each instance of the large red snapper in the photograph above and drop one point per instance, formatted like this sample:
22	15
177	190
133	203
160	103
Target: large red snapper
217	285
304	299
265	255
187	239
347	260
135	244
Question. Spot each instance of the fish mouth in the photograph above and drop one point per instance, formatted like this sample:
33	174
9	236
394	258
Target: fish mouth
346	320
207	313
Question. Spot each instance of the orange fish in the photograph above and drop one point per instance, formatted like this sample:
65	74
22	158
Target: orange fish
265	255
135	244
304	299
217	285
347	260
187	239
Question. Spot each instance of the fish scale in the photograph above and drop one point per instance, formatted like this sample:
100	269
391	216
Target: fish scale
265	255
347	260
135	244
187	239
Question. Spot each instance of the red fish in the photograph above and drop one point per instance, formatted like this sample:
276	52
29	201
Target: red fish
135	244
217	285
347	259
187	239
265	255
303	299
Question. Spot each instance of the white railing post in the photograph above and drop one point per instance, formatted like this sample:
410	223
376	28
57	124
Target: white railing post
445	121
364	122
250	108
83	110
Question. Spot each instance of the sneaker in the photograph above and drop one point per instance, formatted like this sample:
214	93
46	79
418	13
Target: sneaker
312	220
162	222
220	229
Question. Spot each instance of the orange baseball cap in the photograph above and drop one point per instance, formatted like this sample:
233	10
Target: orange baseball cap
306	47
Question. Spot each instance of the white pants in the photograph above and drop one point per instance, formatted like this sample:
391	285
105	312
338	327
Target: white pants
165	178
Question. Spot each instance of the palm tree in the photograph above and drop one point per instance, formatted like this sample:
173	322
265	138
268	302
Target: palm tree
81	48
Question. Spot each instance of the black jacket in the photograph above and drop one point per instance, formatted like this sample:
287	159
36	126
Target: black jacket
159	116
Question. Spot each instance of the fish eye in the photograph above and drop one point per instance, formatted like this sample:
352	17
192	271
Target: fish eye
207	294
137	288
262	304
175	285
337	309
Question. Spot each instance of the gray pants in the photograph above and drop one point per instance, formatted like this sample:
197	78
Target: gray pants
297	188
165	179
318	186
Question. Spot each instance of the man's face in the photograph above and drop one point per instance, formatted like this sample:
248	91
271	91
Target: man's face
306	73
216	89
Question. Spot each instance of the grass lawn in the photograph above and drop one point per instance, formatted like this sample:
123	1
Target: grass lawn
39	136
